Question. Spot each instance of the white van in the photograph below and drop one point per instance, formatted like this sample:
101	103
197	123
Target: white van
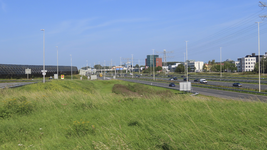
204	81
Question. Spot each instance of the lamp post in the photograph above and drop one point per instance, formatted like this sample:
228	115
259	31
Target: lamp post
153	65
186	63
220	63
71	66
132	65
259	56
43	55
57	62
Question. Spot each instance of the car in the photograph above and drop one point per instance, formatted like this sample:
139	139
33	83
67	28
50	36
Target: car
182	76
237	84
169	75
196	80
204	81
171	85
174	78
171	79
50	77
185	79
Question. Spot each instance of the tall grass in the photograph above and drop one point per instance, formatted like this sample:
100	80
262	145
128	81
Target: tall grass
88	115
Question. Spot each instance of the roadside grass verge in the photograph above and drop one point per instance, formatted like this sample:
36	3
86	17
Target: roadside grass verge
88	115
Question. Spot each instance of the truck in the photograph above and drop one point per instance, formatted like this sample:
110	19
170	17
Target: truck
204	81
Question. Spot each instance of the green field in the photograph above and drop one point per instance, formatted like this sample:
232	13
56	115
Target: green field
114	114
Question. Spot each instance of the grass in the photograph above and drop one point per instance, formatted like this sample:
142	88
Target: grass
88	115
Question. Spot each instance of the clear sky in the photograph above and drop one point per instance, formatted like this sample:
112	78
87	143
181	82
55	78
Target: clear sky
98	30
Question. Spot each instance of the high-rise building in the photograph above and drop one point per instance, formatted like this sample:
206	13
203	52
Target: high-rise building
157	61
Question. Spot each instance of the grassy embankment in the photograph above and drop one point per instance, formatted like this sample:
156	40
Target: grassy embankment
88	115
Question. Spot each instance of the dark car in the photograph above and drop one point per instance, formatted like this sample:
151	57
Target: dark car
171	85
182	76
196	80
174	78
237	84
169	75
185	79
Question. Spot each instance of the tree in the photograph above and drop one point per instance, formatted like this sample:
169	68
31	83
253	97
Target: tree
158	68
136	66
146	71
97	66
179	68
204	68
229	66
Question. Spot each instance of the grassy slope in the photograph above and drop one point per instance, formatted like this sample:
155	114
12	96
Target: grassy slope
115	121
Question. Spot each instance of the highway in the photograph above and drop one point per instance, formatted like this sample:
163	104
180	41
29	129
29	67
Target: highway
14	84
222	83
206	91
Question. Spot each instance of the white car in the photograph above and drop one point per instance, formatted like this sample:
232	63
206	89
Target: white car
204	81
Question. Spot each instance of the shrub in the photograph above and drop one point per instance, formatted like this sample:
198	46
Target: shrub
16	106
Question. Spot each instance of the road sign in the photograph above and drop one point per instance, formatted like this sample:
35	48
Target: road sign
55	76
43	73
43	70
185	86
28	71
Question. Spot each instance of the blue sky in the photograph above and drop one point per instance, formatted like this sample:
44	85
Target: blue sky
109	29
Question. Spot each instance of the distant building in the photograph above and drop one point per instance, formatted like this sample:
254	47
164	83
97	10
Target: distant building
248	62
196	66
157	61
173	67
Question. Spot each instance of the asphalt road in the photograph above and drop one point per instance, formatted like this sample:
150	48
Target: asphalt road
229	84
206	91
14	84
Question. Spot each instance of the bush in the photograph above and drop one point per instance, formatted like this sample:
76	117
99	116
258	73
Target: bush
16	106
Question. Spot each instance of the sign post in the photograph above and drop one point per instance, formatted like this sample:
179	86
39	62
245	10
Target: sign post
44	73
28	71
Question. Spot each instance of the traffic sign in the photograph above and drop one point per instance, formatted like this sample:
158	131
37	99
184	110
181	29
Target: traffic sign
43	73
43	70
28	71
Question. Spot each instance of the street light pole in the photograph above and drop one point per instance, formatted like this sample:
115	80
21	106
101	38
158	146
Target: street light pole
104	68
43	55
259	55
153	66
71	66
220	62
132	65
57	62
186	63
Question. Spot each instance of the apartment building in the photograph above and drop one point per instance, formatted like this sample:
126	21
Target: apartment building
248	62
196	66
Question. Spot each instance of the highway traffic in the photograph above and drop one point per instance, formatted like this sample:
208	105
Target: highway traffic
206	91
221	83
